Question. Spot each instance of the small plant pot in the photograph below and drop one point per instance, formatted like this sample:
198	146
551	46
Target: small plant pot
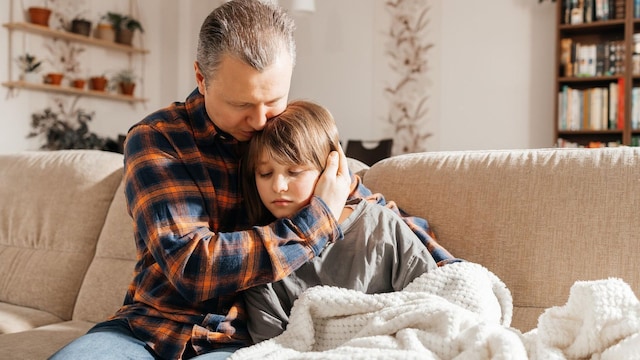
127	88
98	83
31	77
124	36
105	32
78	83
53	78
39	15
82	27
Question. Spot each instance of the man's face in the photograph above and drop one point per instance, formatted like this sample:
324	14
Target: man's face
284	189
239	99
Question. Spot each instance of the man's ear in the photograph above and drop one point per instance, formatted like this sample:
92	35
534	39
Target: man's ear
199	78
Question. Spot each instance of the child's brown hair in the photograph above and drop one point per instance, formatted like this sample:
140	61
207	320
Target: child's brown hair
304	134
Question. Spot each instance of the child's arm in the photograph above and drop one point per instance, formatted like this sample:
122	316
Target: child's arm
265	313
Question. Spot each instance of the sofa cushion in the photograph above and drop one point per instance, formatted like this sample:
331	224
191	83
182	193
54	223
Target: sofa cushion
53	208
111	270
357	167
41	343
16	318
539	219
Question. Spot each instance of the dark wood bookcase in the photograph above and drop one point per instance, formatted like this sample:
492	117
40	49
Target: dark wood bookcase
604	58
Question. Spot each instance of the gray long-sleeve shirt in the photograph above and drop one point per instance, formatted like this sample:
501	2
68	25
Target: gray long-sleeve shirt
379	253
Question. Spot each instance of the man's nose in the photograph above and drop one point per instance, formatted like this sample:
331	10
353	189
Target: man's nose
259	117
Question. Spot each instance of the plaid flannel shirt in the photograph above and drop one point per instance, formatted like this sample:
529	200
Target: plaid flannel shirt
195	249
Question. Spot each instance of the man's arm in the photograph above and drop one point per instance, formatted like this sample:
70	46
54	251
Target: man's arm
174	227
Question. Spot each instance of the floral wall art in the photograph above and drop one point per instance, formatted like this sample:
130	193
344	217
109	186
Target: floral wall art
407	54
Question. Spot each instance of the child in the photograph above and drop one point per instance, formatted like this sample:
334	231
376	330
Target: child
379	252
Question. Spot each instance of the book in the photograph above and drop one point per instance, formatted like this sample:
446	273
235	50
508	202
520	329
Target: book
566	67
621	104
613	105
586	109
577	12
604	116
599	70
618	6
588	11
568	5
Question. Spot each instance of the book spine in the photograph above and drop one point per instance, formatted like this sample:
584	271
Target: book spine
621	104
613	105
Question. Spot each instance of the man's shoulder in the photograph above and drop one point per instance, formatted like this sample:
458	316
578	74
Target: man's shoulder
172	115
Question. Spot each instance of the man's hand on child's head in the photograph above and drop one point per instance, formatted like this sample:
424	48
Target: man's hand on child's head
334	183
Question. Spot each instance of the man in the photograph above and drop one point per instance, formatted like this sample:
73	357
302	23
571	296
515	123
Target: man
195	247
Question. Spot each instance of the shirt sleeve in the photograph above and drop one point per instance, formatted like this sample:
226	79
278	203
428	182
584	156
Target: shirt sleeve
266	316
174	236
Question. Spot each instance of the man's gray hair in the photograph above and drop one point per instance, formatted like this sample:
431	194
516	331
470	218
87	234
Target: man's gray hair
252	31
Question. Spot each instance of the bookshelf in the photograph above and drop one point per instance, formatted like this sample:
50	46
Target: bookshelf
597	83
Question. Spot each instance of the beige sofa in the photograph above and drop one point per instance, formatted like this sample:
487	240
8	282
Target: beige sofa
539	219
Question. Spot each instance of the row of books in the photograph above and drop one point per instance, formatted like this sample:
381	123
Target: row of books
601	59
598	108
586	11
564	143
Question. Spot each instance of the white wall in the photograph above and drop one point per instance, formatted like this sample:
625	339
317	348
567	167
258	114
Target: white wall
491	70
492	75
497	74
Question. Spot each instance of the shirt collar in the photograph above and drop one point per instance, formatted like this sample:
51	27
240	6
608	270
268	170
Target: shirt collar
205	131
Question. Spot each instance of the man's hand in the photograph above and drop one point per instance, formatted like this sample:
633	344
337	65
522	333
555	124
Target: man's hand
335	182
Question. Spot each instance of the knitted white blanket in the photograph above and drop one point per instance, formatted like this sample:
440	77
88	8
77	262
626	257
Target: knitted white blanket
459	311
601	320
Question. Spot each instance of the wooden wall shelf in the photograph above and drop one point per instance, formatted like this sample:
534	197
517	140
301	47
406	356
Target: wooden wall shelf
64	35
71	91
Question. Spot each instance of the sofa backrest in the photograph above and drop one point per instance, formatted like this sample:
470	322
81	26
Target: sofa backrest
111	270
539	219
49	223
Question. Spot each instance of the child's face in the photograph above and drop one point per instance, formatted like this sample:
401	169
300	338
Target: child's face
285	189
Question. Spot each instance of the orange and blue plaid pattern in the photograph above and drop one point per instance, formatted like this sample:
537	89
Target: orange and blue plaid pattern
195	249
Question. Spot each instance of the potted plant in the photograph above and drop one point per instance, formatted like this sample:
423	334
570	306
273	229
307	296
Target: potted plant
64	57
124	26
72	17
105	30
98	83
78	83
39	15
65	129
30	66
125	80
81	26
53	78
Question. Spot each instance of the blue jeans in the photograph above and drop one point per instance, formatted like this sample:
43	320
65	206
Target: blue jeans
113	340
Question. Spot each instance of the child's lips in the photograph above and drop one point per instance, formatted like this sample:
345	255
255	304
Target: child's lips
281	202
